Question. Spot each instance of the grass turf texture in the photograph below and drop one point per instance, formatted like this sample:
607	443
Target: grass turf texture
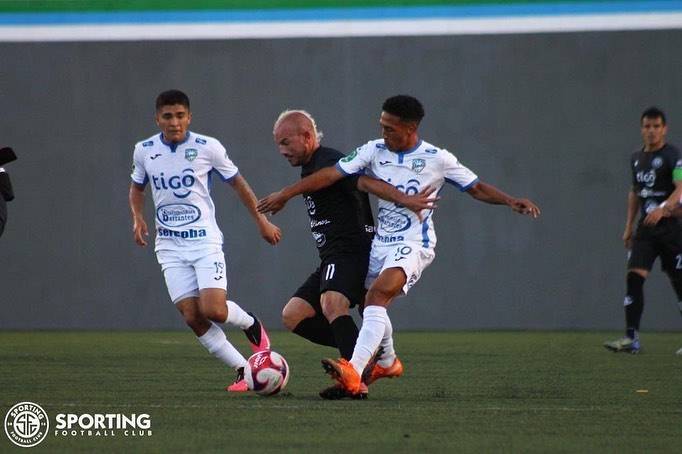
461	392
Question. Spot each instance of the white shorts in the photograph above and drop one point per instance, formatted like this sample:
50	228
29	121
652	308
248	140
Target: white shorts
411	257
187	272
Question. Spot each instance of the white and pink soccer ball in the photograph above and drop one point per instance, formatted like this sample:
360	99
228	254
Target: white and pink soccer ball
266	373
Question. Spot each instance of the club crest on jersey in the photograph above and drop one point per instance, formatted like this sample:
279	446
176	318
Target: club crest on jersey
657	163
191	154
320	239
418	165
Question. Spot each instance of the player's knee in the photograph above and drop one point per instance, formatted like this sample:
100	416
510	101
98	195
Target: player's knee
196	321
333	308
378	297
215	312
290	318
635	280
637	273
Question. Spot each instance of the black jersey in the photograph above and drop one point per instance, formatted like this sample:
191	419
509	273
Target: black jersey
341	218
652	175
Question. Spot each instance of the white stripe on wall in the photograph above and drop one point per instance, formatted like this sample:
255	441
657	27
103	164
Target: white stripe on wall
349	28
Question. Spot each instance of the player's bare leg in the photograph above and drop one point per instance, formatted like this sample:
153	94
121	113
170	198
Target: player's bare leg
212	337
215	306
203	314
385	288
299	317
336	309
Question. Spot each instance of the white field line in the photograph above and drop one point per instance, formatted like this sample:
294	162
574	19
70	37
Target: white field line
254	404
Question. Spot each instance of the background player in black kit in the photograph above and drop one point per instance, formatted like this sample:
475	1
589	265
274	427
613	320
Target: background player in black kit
656	190
342	226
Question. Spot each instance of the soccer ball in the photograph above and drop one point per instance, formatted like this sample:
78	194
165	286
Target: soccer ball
266	373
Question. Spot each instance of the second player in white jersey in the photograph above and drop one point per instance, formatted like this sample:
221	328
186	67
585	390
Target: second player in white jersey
180	176
416	168
179	166
410	171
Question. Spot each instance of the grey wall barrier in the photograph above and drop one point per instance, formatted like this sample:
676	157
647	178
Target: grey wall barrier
552	117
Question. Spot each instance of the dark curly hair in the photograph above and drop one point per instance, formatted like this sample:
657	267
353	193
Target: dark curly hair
407	108
171	98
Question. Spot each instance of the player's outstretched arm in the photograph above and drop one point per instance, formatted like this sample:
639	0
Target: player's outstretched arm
318	180
416	202
136	202
490	194
269	231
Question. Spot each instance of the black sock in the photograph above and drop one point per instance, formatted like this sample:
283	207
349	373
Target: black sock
633	310
316	329
676	280
346	334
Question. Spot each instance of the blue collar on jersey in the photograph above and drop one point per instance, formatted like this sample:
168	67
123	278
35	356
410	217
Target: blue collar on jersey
401	154
172	145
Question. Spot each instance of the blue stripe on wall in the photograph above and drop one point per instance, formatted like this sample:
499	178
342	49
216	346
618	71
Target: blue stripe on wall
328	14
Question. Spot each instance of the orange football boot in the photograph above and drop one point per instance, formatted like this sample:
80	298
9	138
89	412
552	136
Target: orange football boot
394	370
344	373
337	392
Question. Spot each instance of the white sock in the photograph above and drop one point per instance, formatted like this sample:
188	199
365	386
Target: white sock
372	331
217	344
388	356
236	316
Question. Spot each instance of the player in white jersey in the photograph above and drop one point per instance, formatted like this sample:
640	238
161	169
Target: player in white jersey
404	245
180	167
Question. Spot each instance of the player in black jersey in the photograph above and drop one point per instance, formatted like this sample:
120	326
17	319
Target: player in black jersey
656	190
342	227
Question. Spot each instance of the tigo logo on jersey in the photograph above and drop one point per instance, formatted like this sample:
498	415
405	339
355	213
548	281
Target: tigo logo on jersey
175	182
418	165
177	214
191	154
647	178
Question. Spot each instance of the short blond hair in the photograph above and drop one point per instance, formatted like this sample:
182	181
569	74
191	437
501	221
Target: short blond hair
299	113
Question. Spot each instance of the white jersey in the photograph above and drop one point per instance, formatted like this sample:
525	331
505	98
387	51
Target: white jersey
180	176
409	171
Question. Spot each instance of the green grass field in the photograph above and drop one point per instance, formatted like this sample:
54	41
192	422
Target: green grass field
461	392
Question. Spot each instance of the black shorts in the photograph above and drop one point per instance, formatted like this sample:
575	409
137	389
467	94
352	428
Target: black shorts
341	273
663	240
